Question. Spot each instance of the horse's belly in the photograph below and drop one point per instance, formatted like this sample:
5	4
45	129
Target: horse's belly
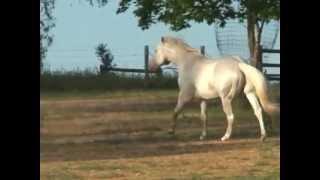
204	84
206	92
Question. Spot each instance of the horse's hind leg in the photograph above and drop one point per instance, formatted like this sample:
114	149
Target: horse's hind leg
257	111
227	108
203	117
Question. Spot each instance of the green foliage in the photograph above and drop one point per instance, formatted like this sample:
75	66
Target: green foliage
179	13
99	2
46	24
176	13
105	56
88	80
264	10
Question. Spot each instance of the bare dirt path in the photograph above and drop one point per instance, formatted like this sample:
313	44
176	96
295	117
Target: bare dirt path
162	160
126	138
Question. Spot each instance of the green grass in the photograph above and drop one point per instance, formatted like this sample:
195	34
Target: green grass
273	174
86	81
97	116
76	161
204	176
89	84
61	174
109	94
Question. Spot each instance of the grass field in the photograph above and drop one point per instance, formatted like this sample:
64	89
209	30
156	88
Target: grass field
123	135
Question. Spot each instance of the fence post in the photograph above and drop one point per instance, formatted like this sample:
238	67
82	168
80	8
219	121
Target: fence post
202	50
146	65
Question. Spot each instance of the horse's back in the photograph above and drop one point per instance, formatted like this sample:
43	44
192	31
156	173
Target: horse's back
228	77
220	77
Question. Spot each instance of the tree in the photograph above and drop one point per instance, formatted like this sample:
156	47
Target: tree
46	24
105	56
179	13
257	13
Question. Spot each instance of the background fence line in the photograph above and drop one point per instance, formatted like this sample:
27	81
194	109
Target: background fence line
147	73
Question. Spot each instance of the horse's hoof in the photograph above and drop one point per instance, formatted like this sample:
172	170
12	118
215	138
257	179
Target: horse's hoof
224	138
203	138
263	138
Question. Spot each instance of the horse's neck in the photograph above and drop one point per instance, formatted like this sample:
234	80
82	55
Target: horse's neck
187	59
186	63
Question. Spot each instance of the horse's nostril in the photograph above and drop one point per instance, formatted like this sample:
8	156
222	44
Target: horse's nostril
166	62
152	67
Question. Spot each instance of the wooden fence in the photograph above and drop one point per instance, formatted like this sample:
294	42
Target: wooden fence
273	77
146	71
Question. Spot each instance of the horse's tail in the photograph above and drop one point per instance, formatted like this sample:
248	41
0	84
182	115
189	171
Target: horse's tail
254	76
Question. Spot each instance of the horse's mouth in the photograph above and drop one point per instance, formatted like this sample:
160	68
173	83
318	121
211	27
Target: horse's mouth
166	62
153	67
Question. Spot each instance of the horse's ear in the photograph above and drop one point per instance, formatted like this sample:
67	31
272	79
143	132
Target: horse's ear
162	39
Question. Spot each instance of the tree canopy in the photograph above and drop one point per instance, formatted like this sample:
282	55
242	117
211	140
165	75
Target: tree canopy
179	13
105	56
46	24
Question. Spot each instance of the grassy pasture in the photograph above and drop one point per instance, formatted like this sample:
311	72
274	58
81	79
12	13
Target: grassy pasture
106	133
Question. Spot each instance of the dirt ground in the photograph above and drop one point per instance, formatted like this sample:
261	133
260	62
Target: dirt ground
128	139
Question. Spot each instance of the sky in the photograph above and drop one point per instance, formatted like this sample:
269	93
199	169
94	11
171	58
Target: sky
81	27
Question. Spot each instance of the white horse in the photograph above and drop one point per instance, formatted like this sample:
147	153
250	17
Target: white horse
205	78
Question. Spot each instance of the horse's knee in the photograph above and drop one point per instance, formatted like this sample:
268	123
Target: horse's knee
230	117
258	111
203	117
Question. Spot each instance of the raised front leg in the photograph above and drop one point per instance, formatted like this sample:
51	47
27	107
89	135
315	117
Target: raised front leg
184	97
203	117
176	112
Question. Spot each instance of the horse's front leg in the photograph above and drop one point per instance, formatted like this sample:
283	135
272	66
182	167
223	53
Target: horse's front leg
182	100
176	113
203	117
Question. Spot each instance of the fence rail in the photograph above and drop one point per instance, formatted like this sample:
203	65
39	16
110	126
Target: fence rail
146	71
270	65
271	50
128	70
272	77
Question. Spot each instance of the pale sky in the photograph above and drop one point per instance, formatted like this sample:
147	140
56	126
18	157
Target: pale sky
80	27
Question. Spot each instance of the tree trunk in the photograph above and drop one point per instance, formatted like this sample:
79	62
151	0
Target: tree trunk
254	39
258	56
251	36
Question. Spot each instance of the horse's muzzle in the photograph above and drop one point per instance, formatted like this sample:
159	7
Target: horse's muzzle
153	67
